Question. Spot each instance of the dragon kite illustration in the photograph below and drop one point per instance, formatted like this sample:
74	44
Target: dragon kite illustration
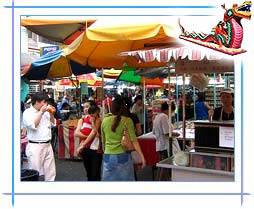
227	35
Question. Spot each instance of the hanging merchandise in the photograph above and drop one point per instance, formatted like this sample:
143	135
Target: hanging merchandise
199	81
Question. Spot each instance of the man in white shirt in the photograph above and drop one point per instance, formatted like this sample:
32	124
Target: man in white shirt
37	121
161	130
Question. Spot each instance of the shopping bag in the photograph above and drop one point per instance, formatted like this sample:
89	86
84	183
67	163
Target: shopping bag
136	157
95	144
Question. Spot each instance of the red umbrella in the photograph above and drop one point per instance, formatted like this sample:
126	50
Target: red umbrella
90	78
153	86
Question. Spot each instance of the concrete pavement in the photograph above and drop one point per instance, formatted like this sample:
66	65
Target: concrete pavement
73	170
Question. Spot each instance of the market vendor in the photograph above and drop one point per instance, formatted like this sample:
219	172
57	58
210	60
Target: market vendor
226	111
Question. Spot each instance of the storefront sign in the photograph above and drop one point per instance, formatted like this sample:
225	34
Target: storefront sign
226	137
84	88
60	88
47	49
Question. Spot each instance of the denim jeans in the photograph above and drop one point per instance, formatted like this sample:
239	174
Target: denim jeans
118	167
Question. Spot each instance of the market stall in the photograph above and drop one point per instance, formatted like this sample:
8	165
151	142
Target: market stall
67	142
193	61
213	157
147	144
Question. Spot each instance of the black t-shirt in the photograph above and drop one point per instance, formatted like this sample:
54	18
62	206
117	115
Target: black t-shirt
225	116
134	118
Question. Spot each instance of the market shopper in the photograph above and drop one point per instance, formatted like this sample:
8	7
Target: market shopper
202	107
138	109
108	103
134	117
226	111
135	120
38	121
161	129
92	96
118	164
66	99
90	149
65	111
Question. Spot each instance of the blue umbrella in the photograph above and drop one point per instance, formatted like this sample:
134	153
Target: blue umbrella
54	65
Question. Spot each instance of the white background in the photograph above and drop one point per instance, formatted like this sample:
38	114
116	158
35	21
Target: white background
159	194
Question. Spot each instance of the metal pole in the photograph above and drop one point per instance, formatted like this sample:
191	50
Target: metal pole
183	114
170	116
194	101
214	92
144	103
177	104
103	99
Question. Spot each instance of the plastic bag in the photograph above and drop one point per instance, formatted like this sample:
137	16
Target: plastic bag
136	157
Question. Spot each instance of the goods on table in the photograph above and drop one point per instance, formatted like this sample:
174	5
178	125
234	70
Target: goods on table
70	123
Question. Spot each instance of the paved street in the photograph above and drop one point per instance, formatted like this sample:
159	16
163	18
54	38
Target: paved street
73	170
70	170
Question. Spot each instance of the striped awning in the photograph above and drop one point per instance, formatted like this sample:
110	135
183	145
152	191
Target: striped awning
167	54
187	59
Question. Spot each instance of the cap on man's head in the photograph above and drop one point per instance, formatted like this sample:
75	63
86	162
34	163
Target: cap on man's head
227	91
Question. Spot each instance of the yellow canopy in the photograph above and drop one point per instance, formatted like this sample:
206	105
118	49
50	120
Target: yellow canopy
133	28
106	38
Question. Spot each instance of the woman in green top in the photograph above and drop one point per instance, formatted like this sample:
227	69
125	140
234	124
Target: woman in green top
117	164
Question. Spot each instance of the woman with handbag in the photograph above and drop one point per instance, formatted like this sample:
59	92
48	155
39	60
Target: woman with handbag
117	163
90	149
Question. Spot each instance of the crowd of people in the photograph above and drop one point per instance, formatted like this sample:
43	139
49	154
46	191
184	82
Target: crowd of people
103	157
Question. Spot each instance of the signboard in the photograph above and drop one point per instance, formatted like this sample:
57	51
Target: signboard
60	88
204	66
52	48
47	49
84	88
226	137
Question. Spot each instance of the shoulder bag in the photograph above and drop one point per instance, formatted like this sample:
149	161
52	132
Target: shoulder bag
127	145
126	142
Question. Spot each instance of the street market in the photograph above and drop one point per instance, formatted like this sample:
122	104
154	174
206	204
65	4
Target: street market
147	63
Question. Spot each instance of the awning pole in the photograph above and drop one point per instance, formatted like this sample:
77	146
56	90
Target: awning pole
177	104
183	114
144	102
103	99
170	150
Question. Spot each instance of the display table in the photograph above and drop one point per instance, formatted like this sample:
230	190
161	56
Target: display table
201	167
147	144
67	142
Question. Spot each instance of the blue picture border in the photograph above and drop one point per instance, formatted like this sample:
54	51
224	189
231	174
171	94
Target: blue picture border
13	7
